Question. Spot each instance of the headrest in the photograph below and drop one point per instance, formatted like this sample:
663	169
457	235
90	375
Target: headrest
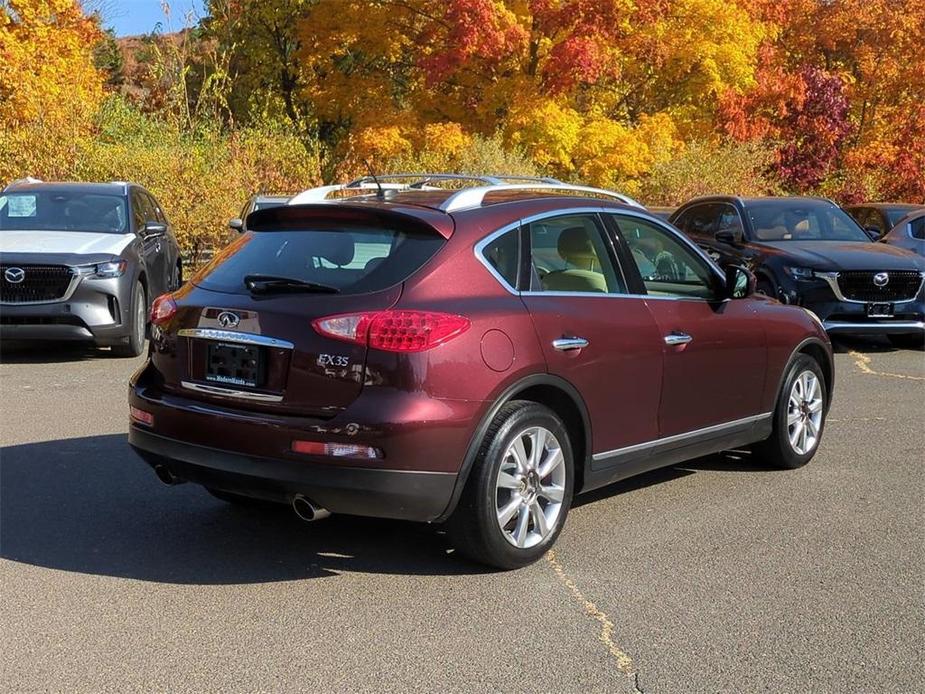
575	246
337	247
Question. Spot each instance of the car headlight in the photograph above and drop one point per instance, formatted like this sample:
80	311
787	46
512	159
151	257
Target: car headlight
104	271
800	273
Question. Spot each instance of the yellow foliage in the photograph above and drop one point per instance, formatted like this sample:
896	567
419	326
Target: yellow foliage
46	68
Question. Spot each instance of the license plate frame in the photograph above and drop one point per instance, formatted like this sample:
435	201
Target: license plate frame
880	309
234	364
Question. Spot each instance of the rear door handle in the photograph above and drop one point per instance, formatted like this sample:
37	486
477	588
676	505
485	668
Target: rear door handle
564	344
677	338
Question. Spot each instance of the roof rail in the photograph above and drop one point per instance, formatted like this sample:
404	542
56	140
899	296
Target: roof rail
26	180
463	198
473	197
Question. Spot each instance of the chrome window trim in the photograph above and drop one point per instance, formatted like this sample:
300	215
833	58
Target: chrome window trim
235	337
831	279
231	392
716	428
561	212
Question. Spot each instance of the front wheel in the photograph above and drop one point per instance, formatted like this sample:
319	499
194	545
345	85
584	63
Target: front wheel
799	417
138	319
519	491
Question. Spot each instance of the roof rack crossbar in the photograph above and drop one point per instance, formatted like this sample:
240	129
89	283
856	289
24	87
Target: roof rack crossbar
473	197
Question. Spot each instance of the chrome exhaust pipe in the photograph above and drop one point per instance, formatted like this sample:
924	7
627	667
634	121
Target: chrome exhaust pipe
307	510
166	476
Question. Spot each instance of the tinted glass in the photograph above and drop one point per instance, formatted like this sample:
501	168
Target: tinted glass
802	220
568	254
156	208
702	220
667	266
729	220
353	260
503	254
917	228
60	211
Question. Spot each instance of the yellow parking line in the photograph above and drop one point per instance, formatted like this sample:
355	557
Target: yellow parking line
862	361
624	662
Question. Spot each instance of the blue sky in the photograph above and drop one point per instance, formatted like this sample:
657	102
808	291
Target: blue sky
130	17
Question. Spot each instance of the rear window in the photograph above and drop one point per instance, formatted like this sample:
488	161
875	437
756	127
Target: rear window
353	260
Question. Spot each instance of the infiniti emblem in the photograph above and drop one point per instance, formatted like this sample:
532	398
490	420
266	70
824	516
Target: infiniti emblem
14	275
881	279
227	319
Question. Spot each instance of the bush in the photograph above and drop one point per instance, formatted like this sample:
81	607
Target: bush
706	168
201	179
475	156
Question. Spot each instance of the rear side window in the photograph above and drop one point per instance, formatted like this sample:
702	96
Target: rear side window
568	254
353	260
503	255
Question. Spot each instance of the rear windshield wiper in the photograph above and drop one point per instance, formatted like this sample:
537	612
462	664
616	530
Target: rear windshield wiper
268	284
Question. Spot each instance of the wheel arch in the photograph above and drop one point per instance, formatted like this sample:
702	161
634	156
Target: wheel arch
815	348
546	389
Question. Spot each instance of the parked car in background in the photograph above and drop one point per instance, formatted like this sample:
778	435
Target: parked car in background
662	212
82	261
808	251
463	355
254	203
909	233
879	217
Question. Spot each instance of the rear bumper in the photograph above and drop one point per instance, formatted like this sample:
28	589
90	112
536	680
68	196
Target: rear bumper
362	491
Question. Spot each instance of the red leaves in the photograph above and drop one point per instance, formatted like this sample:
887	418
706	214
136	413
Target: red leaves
577	60
468	30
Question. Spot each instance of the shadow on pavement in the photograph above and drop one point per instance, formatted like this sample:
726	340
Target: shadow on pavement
843	344
17	352
90	505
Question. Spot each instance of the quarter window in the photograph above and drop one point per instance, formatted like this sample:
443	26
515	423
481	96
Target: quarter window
568	254
503	254
667	266
917	228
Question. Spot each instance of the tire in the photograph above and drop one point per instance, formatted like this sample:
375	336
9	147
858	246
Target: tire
139	324
498	484
908	341
779	449
766	287
176	279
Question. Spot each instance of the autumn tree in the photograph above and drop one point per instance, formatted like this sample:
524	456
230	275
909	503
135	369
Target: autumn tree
46	64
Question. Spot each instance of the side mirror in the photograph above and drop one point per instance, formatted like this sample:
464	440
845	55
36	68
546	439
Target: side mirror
733	238
873	232
237	224
740	282
154	229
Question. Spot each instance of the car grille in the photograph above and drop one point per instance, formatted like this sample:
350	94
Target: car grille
859	286
39	283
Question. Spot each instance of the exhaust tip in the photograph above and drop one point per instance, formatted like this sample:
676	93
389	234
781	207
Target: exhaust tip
307	510
166	476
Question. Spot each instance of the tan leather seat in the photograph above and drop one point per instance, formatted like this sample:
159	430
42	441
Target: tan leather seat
576	249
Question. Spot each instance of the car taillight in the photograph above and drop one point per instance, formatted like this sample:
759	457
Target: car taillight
140	416
394	330
163	309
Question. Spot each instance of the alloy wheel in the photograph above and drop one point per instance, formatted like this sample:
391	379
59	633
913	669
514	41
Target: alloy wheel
804	413
530	487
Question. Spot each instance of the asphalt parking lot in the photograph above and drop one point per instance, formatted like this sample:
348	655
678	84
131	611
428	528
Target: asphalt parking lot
718	575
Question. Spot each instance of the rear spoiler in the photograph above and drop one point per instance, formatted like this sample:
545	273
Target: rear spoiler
326	215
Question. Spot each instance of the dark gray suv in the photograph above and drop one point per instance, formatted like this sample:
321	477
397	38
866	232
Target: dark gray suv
83	261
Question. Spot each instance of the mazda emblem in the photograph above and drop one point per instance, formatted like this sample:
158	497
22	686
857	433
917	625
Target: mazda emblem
227	319
881	279
14	275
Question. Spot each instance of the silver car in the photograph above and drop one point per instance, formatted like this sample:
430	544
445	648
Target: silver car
909	232
83	261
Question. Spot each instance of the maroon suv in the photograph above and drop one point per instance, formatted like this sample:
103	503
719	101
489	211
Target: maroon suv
475	357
